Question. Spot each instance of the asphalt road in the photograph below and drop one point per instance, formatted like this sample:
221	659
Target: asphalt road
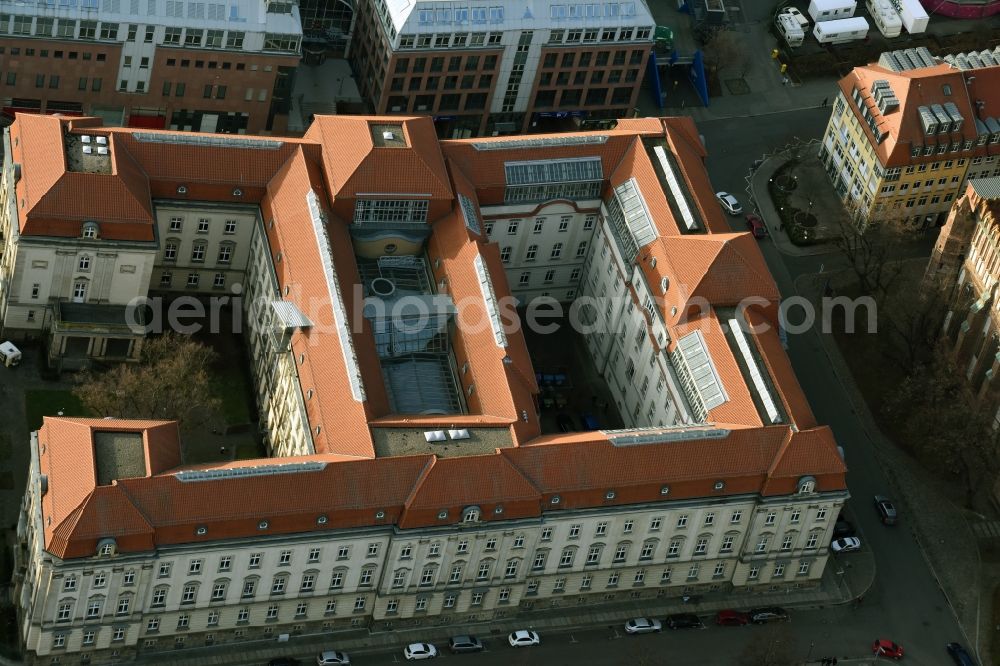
905	603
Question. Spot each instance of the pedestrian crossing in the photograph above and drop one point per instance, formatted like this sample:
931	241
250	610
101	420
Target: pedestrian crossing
987	529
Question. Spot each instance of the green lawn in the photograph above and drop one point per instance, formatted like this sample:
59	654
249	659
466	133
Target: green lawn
41	403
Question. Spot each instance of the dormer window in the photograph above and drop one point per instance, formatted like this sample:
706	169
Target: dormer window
106	547
471	515
90	230
807	484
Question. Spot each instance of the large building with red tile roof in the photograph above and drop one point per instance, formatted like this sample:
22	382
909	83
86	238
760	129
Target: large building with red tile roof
416	468
907	133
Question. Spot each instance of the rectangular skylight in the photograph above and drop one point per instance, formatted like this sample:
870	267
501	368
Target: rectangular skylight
702	370
548	142
754	370
336	298
636	213
675	189
470	214
538	172
203	140
490	300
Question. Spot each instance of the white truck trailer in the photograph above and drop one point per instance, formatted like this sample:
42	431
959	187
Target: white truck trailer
885	17
912	13
841	30
831	10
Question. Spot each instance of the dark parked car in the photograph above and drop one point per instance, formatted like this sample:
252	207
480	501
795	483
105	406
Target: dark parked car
886	510
731	618
684	621
843	529
283	661
756	226
959	655
465	644
768	614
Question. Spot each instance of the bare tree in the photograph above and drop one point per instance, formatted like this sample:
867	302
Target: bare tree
722	51
912	324
170	382
943	424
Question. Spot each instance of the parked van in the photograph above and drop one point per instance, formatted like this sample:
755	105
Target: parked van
798	16
10	354
790	30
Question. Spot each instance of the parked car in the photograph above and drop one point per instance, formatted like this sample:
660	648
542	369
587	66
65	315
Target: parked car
845	545
729	202
768	614
465	644
589	421
731	618
959	655
886	648
332	658
684	621
642	625
756	226
523	638
843	529
798	17
419	651
283	661
886	510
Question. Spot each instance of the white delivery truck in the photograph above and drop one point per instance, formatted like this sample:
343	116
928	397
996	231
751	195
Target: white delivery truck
912	13
799	18
841	31
790	30
9	354
885	17
831	10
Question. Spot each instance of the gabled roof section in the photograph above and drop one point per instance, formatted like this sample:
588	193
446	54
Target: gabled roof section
721	268
354	165
471	480
914	88
51	193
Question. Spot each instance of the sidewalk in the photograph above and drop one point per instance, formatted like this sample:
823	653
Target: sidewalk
834	589
941	528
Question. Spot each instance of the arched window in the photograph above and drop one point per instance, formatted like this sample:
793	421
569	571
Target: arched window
807	484
470	514
159	598
568	556
107	547
649	547
90	230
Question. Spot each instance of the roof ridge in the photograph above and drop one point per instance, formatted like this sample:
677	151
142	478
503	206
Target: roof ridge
418	484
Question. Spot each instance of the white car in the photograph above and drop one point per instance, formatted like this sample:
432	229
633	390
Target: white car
523	638
418	651
797	15
332	658
642	625
729	202
845	545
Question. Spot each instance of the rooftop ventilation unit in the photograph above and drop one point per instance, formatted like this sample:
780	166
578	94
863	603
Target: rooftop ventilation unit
459	434
102	150
87	150
101	140
388	136
85	138
435	436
